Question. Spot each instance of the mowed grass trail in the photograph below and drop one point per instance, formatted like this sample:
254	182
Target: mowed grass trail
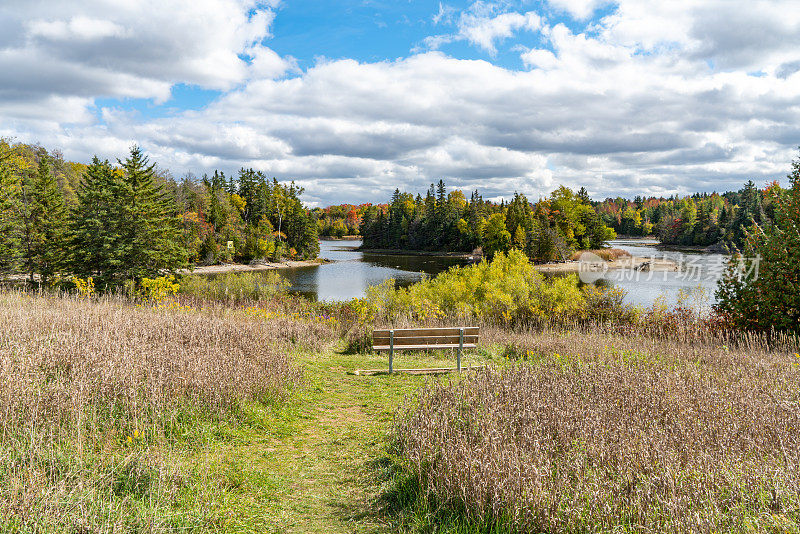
317	464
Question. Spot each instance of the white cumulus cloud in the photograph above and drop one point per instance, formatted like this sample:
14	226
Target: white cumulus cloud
654	98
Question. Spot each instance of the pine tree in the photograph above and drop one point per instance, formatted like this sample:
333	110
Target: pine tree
152	235
9	188
96	244
44	223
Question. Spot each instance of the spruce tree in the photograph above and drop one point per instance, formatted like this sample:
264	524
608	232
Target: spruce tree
125	226
9	187
44	223
96	243
748	212
152	235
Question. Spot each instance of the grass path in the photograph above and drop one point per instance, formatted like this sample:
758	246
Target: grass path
345	419
314	467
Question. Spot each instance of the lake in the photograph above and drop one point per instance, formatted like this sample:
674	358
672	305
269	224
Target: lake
352	272
699	273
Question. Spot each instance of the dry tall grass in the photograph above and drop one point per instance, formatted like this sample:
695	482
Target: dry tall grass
607	254
90	389
600	432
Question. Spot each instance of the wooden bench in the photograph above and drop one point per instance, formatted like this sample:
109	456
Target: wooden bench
459	338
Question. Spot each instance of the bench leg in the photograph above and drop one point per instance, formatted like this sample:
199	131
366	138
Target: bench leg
460	348
391	352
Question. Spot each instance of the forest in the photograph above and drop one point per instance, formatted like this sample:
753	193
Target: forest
129	219
547	230
339	221
702	219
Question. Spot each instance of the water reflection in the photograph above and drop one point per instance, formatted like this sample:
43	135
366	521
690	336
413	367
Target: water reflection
352	271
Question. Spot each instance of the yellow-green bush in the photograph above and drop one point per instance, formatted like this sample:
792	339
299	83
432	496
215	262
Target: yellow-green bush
83	286
157	289
508	289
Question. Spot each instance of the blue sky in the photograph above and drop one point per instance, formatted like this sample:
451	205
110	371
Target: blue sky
310	31
376	31
354	98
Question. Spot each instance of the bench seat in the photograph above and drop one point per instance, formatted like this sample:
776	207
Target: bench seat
430	346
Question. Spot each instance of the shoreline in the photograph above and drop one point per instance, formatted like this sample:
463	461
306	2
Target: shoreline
265	266
343	238
431	253
636	263
715	248
708	249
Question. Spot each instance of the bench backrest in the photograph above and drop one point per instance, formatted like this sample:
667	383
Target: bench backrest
426	338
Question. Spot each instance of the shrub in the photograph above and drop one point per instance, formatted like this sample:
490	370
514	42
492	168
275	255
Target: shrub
83	286
359	340
157	289
607	304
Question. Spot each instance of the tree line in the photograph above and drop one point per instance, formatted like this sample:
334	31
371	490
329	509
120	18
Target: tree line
129	220
555	227
702	219
550	229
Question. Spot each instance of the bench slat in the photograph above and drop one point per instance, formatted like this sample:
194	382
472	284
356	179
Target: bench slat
427	334
380	348
402	341
419	332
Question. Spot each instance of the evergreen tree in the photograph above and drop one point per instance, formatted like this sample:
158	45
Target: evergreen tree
96	230
9	189
441	195
44	223
152	235
747	213
761	289
124	226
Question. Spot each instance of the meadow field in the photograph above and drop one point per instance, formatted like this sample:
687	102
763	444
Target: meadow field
188	414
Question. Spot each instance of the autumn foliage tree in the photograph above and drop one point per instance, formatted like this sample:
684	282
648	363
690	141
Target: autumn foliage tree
761	288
